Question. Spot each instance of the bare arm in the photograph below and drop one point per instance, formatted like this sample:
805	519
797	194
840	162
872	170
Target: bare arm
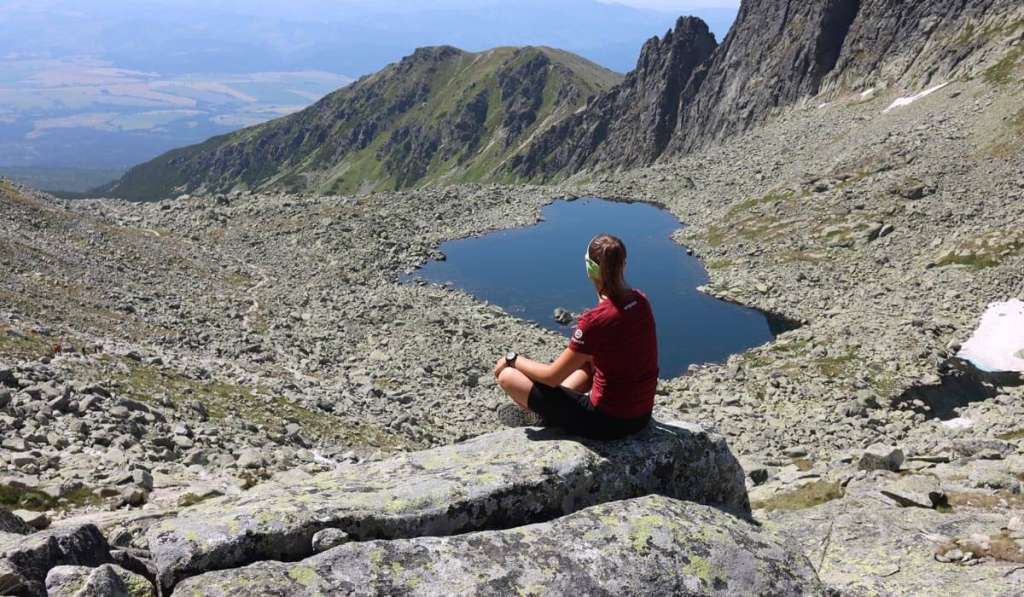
555	373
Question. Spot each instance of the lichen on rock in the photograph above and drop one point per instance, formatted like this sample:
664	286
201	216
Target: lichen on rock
651	545
496	481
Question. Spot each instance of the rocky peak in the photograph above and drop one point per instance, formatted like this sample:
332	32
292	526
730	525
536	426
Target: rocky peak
775	53
631	123
687	93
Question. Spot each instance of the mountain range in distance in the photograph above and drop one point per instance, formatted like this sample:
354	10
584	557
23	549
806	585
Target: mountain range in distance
102	86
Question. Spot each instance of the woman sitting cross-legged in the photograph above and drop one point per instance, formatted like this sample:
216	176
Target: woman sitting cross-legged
602	386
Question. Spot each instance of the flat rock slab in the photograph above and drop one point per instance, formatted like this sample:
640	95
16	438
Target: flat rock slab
644	546
499	480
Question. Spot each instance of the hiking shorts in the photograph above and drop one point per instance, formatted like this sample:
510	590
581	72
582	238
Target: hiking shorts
572	411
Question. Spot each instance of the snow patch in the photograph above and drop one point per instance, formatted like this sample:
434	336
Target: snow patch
906	101
998	343
958	423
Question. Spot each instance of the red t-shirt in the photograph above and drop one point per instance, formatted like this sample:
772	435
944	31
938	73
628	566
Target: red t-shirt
624	344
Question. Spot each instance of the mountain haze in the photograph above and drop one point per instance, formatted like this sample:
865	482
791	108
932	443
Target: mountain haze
686	93
441	114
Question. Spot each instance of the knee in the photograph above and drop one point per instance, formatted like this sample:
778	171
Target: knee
505	378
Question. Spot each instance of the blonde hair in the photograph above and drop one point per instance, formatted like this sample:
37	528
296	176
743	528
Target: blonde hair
609	252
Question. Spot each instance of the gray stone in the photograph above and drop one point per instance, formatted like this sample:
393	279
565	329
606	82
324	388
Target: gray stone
105	581
27	559
915	491
328	538
881	457
11	523
183	442
36	520
508	478
143	479
563	316
250	458
15	444
986	448
651	545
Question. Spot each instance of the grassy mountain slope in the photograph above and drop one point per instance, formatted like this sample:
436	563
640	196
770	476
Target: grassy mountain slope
439	115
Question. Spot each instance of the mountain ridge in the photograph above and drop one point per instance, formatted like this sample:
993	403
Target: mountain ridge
686	93
439	114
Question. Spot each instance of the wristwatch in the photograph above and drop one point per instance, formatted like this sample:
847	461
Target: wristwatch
510	359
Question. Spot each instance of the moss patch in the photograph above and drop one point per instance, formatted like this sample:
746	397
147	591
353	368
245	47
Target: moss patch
38	501
986	251
806	496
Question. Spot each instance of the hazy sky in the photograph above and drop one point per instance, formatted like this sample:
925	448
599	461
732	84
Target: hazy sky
676	5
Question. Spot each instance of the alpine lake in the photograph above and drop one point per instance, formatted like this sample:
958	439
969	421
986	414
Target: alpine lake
532	271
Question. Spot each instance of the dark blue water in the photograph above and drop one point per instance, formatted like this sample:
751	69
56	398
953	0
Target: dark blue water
531	271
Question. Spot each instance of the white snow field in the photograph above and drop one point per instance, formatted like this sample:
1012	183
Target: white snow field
998	343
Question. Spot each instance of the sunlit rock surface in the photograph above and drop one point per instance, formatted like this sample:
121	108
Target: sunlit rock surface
652	545
496	481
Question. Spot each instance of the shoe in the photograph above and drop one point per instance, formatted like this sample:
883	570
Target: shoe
511	415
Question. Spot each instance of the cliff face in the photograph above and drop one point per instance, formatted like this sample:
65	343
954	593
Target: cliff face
778	53
632	123
923	43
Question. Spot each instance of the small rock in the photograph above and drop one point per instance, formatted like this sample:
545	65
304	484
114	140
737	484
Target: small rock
881	457
250	458
133	496
36	520
915	491
563	316
11	523
796	452
328	538
143	479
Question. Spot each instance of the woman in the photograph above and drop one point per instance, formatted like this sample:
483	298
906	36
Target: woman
602	386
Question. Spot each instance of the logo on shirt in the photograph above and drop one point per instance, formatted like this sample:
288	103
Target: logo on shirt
578	334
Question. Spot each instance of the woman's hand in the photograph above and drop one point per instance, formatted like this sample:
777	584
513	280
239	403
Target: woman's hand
499	367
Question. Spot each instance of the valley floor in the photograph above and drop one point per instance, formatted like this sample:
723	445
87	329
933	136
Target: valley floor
173	351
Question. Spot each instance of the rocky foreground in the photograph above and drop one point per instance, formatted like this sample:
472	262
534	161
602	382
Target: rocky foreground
160	357
522	508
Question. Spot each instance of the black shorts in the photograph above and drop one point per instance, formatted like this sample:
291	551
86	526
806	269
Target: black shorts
572	411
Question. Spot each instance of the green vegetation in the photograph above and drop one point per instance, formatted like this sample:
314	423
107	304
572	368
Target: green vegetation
806	496
38	501
145	383
439	116
18	346
985	251
834	367
1002	72
744	207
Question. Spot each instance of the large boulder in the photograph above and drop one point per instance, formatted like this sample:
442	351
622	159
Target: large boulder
499	480
106	581
26	560
644	546
11	523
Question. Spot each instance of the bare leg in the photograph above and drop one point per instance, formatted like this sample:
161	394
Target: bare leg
578	381
517	386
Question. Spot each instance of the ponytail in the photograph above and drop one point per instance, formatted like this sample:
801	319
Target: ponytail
609	253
